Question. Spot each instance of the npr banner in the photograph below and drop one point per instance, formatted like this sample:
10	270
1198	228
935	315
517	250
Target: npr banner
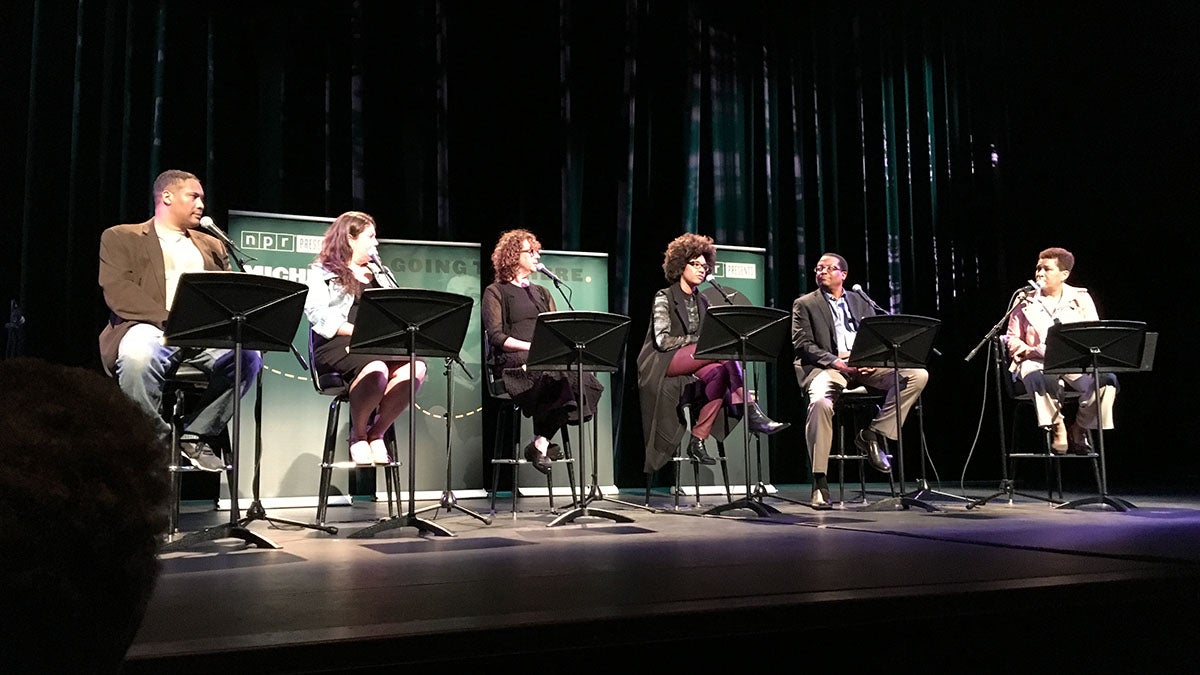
294	414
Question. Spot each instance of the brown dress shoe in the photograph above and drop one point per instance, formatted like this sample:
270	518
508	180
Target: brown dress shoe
1058	442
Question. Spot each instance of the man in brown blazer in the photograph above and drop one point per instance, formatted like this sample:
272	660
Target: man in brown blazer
824	325
140	266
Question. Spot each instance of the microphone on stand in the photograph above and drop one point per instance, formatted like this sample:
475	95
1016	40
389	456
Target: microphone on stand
382	270
210	227
1032	286
546	270
712	279
857	288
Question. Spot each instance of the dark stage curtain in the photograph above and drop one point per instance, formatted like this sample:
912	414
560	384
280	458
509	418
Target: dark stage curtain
877	130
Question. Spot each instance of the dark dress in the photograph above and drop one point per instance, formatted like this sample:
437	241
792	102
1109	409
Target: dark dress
330	353
549	397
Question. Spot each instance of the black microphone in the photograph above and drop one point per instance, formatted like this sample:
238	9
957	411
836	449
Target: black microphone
857	288
546	270
1032	286
712	279
381	269
209	227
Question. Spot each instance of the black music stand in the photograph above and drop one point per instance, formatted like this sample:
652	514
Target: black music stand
448	501
238	311
1095	347
743	333
895	341
410	322
582	342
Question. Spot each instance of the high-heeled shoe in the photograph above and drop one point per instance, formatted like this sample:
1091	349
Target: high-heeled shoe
697	453
761	424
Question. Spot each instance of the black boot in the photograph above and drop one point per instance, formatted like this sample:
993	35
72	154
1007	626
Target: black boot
761	424
696	452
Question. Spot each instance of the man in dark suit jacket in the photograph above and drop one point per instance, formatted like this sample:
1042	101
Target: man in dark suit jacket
140	265
824	325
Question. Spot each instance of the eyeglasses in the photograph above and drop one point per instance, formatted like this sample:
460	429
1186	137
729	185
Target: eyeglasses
821	268
698	264
531	251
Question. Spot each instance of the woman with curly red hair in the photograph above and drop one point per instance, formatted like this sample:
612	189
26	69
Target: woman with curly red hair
510	307
667	361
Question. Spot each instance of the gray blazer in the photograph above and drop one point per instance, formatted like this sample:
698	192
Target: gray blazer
814	342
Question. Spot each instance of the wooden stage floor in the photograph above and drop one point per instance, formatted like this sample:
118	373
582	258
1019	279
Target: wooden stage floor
984	589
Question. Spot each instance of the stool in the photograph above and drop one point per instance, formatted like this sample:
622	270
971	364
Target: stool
1022	399
850	407
181	383
1014	390
512	410
690	399
332	384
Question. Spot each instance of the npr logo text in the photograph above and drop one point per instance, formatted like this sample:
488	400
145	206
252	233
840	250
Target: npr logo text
269	241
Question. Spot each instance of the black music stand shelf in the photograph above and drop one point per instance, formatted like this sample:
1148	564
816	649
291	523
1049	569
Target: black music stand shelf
409	322
238	311
1095	347
581	342
743	333
895	341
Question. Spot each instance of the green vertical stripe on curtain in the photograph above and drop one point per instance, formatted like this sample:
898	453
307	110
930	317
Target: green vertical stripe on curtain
69	240
796	94
210	118
31	141
626	182
441	123
572	178
156	126
125	190
891	187
771	86
932	156
691	193
908	147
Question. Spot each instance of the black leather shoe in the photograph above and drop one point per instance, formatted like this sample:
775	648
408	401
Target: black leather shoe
1079	442
538	460
761	424
696	452
873	444
554	452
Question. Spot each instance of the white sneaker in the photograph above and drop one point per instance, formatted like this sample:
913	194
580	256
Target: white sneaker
379	454
360	452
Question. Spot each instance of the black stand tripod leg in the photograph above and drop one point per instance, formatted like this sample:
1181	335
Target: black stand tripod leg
256	510
902	502
593	491
448	500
